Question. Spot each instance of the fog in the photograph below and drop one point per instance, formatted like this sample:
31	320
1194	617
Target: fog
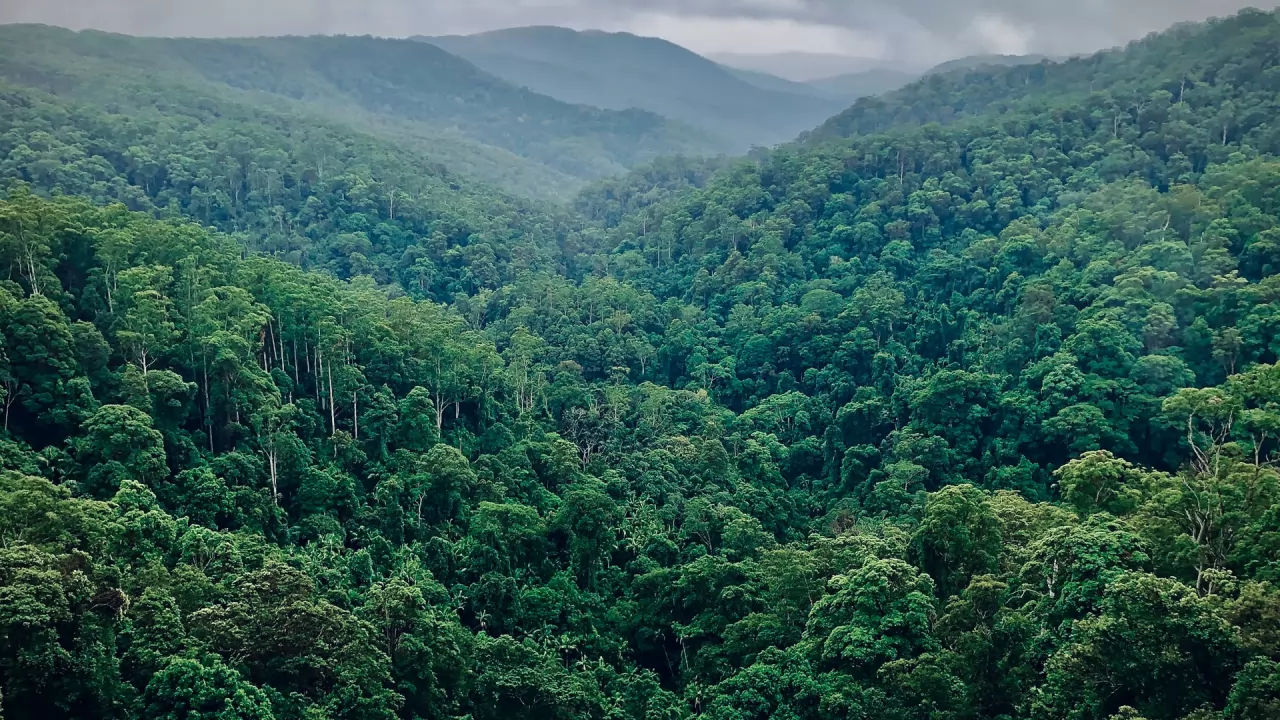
904	32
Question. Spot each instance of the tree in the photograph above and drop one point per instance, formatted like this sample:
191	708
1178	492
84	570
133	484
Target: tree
959	537
202	689
1145	649
588	516
876	614
38	347
120	443
1100	482
148	328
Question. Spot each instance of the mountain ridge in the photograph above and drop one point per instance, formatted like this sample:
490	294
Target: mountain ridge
411	89
621	70
965	409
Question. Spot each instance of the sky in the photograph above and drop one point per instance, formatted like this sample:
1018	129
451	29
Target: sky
902	32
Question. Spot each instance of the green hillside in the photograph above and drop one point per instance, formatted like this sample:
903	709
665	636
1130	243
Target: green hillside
410	92
290	184
978	62
620	70
1184	63
964	407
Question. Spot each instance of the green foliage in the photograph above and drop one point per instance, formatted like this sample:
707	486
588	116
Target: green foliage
444	107
188	689
976	420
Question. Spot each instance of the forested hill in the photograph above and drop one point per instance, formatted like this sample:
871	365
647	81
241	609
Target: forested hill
407	91
965	420
621	70
289	184
1192	63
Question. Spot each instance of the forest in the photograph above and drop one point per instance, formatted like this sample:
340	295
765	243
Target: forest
964	405
413	94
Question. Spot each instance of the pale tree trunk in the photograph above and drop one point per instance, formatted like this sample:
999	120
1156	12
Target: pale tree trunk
271	463
333	409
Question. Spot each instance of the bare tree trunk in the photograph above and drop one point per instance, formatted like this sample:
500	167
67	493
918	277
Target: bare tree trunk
333	409
271	463
9	397
208	409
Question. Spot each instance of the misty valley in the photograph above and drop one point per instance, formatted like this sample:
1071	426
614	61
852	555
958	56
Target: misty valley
553	374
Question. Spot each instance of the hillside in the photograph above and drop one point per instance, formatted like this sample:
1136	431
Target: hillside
289	183
408	91
620	71
1181	64
977	62
797	66
965	407
852	86
766	81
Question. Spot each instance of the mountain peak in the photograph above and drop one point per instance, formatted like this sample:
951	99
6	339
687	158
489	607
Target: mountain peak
617	71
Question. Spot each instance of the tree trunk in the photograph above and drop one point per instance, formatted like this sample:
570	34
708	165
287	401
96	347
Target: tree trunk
271	463
333	409
208	409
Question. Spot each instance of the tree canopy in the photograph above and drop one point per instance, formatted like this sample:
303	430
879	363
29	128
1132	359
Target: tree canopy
934	418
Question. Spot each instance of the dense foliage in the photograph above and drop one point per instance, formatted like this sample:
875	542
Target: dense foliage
315	193
948	422
420	96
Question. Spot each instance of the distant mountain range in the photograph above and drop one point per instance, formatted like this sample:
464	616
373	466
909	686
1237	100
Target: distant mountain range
777	84
539	111
852	86
411	92
618	71
849	86
798	66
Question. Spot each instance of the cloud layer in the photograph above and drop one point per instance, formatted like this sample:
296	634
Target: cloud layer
914	31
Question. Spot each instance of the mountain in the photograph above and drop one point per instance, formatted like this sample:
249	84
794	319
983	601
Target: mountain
843	88
412	92
965	408
850	87
974	62
1175	62
620	71
774	83
797	66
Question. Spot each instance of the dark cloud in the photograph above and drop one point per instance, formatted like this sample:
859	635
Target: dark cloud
922	31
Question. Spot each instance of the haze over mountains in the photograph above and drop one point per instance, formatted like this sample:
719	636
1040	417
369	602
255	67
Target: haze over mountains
963	404
538	111
620	70
799	66
410	91
742	100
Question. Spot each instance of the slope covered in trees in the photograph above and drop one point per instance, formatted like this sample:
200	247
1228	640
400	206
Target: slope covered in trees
621	71
305	188
1190	66
407	91
956	421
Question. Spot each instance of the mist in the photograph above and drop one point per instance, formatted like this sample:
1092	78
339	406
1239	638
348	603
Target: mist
907	33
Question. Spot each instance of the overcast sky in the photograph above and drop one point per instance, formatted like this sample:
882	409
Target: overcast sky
917	31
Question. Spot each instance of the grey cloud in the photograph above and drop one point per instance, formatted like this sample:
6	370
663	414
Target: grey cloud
920	31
